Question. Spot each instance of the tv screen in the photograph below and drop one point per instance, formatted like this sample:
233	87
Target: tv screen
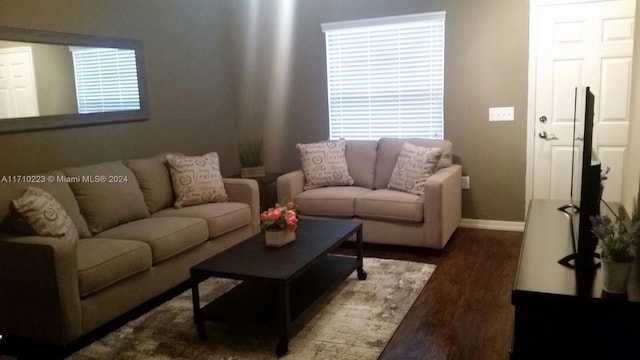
576	156
585	187
589	205
578	149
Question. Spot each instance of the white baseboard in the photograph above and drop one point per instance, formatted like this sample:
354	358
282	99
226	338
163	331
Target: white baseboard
492	224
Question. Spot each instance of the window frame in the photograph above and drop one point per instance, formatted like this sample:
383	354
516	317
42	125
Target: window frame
432	90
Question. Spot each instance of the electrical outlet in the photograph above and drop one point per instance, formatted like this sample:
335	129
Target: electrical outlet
466	185
501	113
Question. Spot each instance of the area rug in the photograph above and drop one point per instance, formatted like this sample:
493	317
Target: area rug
354	322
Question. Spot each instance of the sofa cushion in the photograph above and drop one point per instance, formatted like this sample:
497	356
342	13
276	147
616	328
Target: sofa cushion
60	190
44	215
392	205
361	160
415	164
389	150
335	201
167	237
221	218
324	164
112	200
196	179
155	181
103	262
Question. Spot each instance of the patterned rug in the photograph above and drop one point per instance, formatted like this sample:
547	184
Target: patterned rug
355	322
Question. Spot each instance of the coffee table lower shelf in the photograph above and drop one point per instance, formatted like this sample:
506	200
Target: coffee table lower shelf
266	302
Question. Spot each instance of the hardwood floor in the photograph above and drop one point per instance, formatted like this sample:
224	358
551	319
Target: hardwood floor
464	311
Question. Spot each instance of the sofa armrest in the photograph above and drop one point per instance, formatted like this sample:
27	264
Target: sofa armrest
39	291
248	192
290	185
443	205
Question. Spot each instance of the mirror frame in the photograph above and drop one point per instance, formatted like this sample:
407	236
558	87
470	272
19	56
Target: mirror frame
34	123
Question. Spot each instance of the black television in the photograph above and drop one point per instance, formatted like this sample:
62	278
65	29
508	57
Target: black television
585	186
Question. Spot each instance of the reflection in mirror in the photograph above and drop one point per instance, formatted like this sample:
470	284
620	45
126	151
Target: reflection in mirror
50	80
106	79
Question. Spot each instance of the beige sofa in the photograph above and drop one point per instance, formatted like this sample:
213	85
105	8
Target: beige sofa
388	216
133	246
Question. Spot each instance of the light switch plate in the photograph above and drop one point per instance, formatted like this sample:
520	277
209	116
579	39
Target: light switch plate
501	113
466	183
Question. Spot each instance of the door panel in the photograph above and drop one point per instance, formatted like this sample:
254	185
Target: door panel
560	162
18	94
615	90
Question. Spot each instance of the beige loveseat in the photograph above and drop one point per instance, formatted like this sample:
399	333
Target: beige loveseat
388	216
133	245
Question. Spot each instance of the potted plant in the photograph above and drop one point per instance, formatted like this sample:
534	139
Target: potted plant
251	161
617	242
603	179
279	224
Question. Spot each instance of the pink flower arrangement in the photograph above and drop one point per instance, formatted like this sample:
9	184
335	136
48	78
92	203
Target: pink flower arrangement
280	218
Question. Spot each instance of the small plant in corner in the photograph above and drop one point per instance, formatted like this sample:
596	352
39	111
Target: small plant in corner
604	175
615	240
603	178
250	151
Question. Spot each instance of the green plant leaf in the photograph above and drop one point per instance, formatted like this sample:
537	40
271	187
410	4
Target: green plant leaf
616	241
250	151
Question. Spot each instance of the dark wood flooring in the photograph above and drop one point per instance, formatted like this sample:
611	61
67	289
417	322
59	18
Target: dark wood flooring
464	311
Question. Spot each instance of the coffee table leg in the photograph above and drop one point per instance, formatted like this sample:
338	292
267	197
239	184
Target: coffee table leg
284	318
362	275
282	348
197	316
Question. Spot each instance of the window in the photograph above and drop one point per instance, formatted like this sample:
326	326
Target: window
385	77
106	79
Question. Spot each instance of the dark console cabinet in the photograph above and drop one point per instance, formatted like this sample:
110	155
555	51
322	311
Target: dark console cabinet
268	189
561	313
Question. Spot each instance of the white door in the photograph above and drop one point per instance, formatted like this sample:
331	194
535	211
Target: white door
576	45
18	95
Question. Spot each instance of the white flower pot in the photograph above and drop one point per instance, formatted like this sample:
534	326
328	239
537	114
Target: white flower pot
616	276
278	238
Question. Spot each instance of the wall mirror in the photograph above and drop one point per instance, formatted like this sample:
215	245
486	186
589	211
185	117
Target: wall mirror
53	80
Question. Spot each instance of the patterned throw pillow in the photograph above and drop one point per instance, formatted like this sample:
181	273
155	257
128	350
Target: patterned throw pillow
44	214
196	179
324	164
415	164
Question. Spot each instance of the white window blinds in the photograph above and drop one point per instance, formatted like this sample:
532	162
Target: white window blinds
386	77
106	79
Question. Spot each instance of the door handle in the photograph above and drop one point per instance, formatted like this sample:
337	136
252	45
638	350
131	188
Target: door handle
548	137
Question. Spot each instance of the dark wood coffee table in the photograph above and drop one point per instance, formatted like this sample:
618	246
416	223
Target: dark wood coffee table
279	284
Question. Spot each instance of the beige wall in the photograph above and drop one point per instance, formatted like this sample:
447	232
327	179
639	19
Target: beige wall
189	90
282	88
631	176
212	68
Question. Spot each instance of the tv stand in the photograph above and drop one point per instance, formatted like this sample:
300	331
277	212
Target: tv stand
563	313
569	209
570	261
